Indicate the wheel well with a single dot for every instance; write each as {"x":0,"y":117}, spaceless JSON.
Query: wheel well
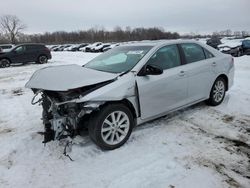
{"x":225,"y":78}
{"x":42,"y":55}
{"x":5,"y":58}
{"x":125,"y":102}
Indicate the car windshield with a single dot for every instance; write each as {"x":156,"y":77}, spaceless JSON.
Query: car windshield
{"x":119,"y":59}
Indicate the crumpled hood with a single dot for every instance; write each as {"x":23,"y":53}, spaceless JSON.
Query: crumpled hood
{"x":66,"y":77}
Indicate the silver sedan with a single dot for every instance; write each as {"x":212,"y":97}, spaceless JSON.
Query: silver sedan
{"x":127,"y":86}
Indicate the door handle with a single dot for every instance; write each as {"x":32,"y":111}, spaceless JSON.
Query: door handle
{"x":214,"y":64}
{"x":182,"y":73}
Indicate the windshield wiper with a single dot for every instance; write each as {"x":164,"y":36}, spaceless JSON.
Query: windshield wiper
{"x":124,"y":72}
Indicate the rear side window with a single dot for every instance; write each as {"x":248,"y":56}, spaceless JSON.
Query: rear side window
{"x":193,"y":52}
{"x":34,"y":47}
{"x":29,"y":47}
{"x":208,"y":54}
{"x":166,"y":57}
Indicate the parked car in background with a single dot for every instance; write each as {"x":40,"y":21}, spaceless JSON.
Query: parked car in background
{"x":91,"y":46}
{"x":4,"y":47}
{"x":65,"y":47}
{"x":127,"y":86}
{"x":52,"y":47}
{"x":25,"y":53}
{"x":246,"y":46}
{"x":110,"y":47}
{"x":214,"y":42}
{"x":232,"y":47}
{"x":68,"y":47}
{"x":100,"y":47}
{"x":60,"y":48}
{"x":78,"y":46}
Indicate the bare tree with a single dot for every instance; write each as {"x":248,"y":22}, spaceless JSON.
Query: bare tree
{"x":12,"y":27}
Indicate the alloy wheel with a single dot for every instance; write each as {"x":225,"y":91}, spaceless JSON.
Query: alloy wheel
{"x":115,"y":127}
{"x":43,"y":59}
{"x":219,"y":91}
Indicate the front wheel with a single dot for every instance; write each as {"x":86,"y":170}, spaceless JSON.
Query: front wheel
{"x":111,"y":127}
{"x":218,"y":92}
{"x":4,"y":63}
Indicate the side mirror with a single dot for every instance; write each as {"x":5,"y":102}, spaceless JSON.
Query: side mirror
{"x":150,"y":70}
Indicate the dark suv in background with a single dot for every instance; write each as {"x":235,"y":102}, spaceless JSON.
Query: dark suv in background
{"x":25,"y":53}
{"x":214,"y":42}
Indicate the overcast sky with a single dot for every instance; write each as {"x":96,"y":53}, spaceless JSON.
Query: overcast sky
{"x":174,"y":15}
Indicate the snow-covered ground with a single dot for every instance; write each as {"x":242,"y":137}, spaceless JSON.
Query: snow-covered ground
{"x":199,"y":146}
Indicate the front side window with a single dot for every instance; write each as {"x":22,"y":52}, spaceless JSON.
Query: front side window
{"x":20,"y":49}
{"x":193,"y":52}
{"x":119,"y":59}
{"x":166,"y":57}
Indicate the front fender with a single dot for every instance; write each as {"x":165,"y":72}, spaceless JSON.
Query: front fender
{"x":122,"y":88}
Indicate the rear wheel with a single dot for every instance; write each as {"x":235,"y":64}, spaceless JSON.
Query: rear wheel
{"x":218,"y":92}
{"x":111,"y":127}
{"x":4,"y":63}
{"x":42,"y":59}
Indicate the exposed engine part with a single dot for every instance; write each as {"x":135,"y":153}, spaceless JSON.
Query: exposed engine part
{"x":61,"y":118}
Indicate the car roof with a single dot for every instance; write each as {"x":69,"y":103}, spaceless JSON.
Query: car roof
{"x":155,"y":43}
{"x":34,"y":44}
{"x":6,"y":44}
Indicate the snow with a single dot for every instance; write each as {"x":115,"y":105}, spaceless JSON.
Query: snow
{"x":230,"y":43}
{"x":199,"y":146}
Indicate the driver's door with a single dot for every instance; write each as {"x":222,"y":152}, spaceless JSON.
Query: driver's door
{"x":167,"y":91}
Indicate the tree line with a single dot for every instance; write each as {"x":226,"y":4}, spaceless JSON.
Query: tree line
{"x":11,"y":31}
{"x":94,"y":35}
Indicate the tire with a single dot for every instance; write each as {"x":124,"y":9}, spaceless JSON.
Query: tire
{"x":42,"y":59}
{"x":4,"y":63}
{"x":217,"y":92}
{"x":111,"y":126}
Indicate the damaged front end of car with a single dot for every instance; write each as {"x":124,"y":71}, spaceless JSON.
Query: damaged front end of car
{"x":62,"y":115}
{"x":59,"y":90}
{"x":71,"y":94}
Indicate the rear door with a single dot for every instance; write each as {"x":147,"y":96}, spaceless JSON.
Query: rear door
{"x":161,"y":93}
{"x":19,"y":55}
{"x":199,"y":66}
{"x":33,"y":52}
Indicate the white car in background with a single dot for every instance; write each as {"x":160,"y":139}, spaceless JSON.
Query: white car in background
{"x":6,"y":47}
{"x":110,"y":47}
{"x":100,"y":47}
{"x":89,"y":47}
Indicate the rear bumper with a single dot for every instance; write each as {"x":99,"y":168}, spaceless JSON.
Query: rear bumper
{"x":231,"y":77}
{"x":49,"y":56}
